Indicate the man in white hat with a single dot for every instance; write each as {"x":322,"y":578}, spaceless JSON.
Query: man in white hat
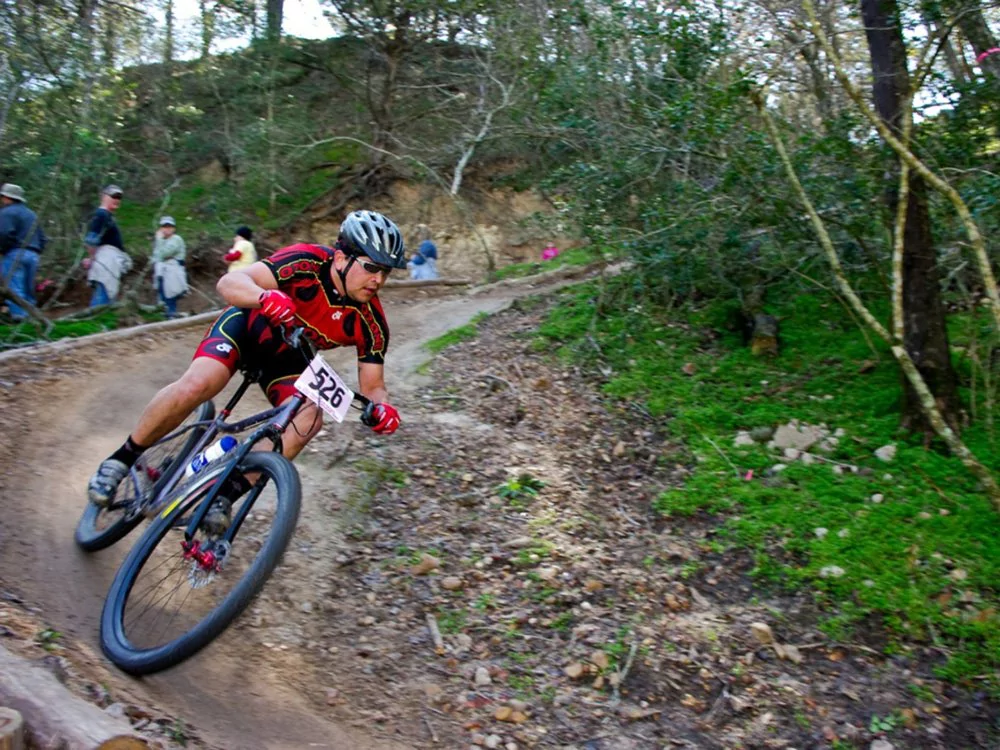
{"x":169,"y":276}
{"x":21,"y":242}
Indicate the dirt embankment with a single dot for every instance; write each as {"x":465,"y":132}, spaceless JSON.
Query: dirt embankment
{"x":491,"y":575}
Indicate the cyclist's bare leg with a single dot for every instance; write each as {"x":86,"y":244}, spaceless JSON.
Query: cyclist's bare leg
{"x":307,"y":423}
{"x":204,"y":379}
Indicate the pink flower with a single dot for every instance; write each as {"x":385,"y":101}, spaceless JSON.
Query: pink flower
{"x":550,"y":252}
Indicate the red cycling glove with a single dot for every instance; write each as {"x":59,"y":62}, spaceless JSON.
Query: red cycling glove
{"x":388,"y":419}
{"x":232,"y":255}
{"x":277,"y":306}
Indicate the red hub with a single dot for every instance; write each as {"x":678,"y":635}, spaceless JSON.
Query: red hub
{"x":206,"y":559}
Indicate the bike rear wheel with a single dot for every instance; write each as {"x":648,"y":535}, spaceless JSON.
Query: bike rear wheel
{"x":101,"y":526}
{"x":166,"y":603}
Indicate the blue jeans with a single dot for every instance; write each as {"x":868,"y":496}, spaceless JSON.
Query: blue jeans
{"x":100,"y":295}
{"x":19,"y":268}
{"x":170,"y":304}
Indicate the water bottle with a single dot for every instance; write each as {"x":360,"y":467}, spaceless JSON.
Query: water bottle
{"x":214,"y":451}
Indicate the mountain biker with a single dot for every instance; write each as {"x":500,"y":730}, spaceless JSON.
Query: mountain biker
{"x":331,"y":292}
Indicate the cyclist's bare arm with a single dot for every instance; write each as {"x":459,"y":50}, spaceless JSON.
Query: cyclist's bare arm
{"x":243,"y":287}
{"x":371,"y":381}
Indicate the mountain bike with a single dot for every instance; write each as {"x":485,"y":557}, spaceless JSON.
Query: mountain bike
{"x":182,"y":584}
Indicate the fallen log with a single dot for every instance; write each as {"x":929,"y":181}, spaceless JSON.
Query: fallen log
{"x":404,"y":283}
{"x":57,"y":719}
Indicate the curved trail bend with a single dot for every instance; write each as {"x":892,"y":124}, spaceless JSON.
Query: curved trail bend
{"x":63,"y":416}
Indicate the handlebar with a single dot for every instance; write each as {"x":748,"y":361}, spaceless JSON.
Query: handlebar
{"x":296,"y":338}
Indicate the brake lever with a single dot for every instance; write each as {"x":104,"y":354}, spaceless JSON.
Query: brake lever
{"x":368,"y":417}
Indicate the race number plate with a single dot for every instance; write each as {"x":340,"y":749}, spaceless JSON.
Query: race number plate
{"x":322,"y":385}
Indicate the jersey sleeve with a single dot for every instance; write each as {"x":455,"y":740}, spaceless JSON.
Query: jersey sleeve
{"x":296,"y":262}
{"x":372,"y":334}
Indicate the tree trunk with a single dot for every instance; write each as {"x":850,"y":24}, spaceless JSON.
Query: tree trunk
{"x":925,"y":334}
{"x":275,"y":13}
{"x":168,"y":39}
{"x":207,"y":27}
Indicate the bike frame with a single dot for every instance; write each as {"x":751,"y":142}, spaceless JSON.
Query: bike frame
{"x":273,"y":423}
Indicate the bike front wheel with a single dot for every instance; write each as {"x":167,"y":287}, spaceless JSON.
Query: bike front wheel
{"x":102,"y":526}
{"x":172,"y":596}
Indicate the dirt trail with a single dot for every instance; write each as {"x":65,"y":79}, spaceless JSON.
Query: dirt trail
{"x":74,"y":411}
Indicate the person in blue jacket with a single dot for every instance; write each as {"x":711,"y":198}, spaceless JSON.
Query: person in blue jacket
{"x":423,"y":264}
{"x":21,"y":242}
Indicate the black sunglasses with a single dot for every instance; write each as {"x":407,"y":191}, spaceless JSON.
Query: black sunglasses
{"x":374,"y":268}
{"x":116,"y":196}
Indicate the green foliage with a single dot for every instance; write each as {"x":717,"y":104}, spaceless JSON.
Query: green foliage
{"x":923,"y":561}
{"x":520,"y":490}
{"x":456,"y":335}
{"x":48,"y":639}
{"x":451,"y":621}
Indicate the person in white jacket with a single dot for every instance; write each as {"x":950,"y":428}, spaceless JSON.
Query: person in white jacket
{"x":169,"y":275}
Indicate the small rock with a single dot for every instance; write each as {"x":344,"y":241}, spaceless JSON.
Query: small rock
{"x":619,"y":450}
{"x":743,"y":438}
{"x":689,"y":368}
{"x":452,"y":583}
{"x":117,"y":710}
{"x":482,"y":677}
{"x":762,"y":632}
{"x":881,"y":745}
{"x":366,"y":622}
{"x":306,"y":607}
{"x":600,"y":660}
{"x":886,"y":453}
{"x":548,"y":573}
{"x":923,"y":515}
{"x":878,"y":497}
{"x":788,"y":652}
{"x":503,"y":713}
{"x":958,"y":575}
{"x":575,"y":670}
{"x":592,"y":584}
{"x":426,"y":565}
{"x":493,"y":741}
{"x":792,"y":454}
{"x":820,"y":532}
{"x":332,"y":696}
{"x":831,"y":571}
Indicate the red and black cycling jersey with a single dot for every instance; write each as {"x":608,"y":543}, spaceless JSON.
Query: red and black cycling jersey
{"x":304,"y":273}
{"x":244,"y":337}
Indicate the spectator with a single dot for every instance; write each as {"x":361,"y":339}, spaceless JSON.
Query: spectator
{"x":21,"y":242}
{"x":242,"y":253}
{"x":550,"y":252}
{"x":106,"y":261}
{"x":423,"y":265}
{"x":169,"y":276}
